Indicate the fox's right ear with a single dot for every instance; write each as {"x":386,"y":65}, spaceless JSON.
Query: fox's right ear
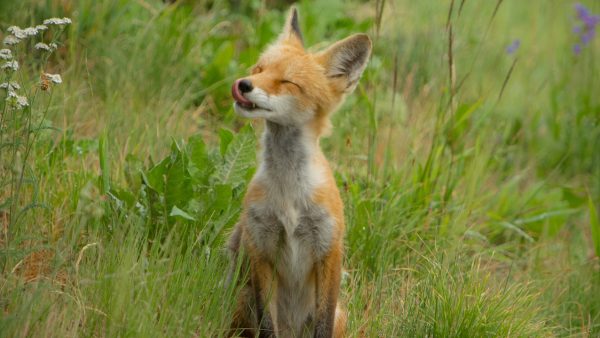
{"x":346,"y":60}
{"x":291,"y":29}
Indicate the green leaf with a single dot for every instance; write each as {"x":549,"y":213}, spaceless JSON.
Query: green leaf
{"x":199,"y":165}
{"x":178,"y":188}
{"x":155,"y":177}
{"x":125,"y":198}
{"x":225,"y":137}
{"x":238,"y":159}
{"x":222,"y":196}
{"x":595,"y":226}
{"x":176,"y":212}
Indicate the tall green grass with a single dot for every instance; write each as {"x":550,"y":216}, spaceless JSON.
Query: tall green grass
{"x":470,"y":176}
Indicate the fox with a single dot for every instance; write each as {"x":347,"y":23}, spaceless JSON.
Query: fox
{"x":291,"y":227}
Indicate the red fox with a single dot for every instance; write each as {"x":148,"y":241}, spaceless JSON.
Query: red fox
{"x":291,"y":230}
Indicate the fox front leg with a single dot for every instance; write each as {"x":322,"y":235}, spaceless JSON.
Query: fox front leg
{"x":261,"y":279}
{"x":328,"y":286}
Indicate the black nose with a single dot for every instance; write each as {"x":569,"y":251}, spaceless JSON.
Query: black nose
{"x":245,"y":86}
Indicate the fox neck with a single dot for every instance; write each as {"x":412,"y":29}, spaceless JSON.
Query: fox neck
{"x":288,"y":159}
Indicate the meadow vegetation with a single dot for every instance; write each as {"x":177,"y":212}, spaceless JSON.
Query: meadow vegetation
{"x":468,"y":159}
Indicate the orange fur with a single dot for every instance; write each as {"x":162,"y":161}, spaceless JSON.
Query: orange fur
{"x":295,"y":91}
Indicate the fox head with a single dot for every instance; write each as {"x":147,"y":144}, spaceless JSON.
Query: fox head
{"x":291,"y":86}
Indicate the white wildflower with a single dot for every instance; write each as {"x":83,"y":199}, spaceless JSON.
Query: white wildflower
{"x":42,"y":46}
{"x":17,"y":32}
{"x":55,"y":78}
{"x":30,"y":31}
{"x":16,"y":100}
{"x":5,"y":54}
{"x":53,"y":45}
{"x":22,"y":101}
{"x":11,"y":65}
{"x":11,"y":40}
{"x":22,"y":33}
{"x":41,"y":28}
{"x":57,"y":21}
{"x":10,"y":86}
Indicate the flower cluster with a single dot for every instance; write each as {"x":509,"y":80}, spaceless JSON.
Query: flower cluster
{"x":10,"y":65}
{"x":18,"y":34}
{"x":16,"y":100}
{"x":10,"y":86}
{"x":54,"y":78}
{"x":585,"y":28}
{"x":46,"y":47}
{"x":57,"y":21}
{"x":5,"y":54}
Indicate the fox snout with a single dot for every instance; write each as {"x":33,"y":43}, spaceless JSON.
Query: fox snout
{"x":239,"y":88}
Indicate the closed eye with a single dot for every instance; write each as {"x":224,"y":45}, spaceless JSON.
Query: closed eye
{"x":293,"y":83}
{"x":256,"y":70}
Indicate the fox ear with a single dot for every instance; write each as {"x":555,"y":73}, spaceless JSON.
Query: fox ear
{"x":347,"y":59}
{"x":291,"y":29}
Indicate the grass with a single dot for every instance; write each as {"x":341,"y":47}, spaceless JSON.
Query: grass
{"x":471,"y":177}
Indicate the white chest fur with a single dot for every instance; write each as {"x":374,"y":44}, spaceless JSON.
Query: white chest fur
{"x":287,"y":227}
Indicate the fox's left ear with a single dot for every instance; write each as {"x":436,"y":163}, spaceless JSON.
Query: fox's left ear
{"x":291,"y":29}
{"x":346,"y":60}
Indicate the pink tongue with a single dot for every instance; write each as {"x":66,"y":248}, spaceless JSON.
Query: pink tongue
{"x":237,"y":95}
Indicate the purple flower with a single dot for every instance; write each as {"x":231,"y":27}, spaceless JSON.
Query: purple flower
{"x":591,"y":21}
{"x":582,"y":11}
{"x":586,"y":28}
{"x":513,"y":47}
{"x":588,"y":36}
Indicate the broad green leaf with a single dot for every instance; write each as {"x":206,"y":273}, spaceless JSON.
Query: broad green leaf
{"x":125,"y":197}
{"x":238,"y":159}
{"x":199,"y":164}
{"x":176,"y":212}
{"x":155,"y":177}
{"x":222,"y":196}
{"x":178,"y":188}
{"x":225,"y":138}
